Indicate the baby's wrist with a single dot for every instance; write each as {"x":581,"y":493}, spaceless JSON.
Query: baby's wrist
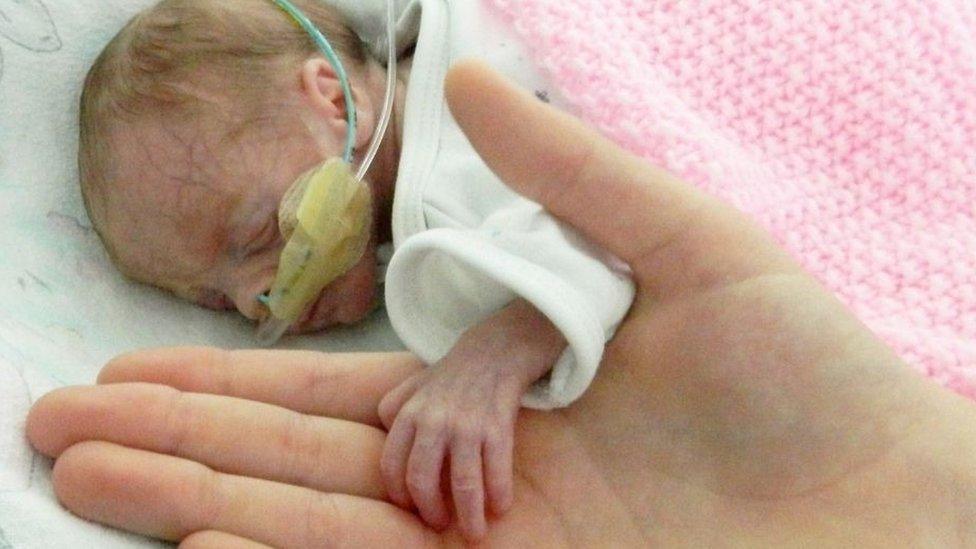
{"x":530,"y":371}
{"x":523,"y":342}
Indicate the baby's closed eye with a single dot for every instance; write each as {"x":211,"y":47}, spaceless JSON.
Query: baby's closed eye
{"x":262,"y":239}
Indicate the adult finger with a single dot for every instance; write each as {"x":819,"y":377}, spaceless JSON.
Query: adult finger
{"x":172,"y":498}
{"x":642,"y":214}
{"x":554,"y":159}
{"x":227,"y":434}
{"x":219,"y":540}
{"x":344,"y":385}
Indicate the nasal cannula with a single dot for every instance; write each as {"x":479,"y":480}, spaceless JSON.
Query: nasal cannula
{"x":329,"y":208}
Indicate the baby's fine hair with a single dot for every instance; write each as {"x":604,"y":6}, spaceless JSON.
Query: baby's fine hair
{"x":177,"y":56}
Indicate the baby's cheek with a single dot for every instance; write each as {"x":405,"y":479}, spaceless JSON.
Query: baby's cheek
{"x":214,"y":300}
{"x":355,"y":293}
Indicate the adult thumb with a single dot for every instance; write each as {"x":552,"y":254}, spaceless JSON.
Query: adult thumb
{"x":611,"y":196}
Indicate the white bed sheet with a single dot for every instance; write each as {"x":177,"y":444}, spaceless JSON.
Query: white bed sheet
{"x":65,"y":310}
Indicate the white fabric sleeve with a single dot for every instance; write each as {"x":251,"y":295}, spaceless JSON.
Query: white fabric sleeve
{"x":441,"y":282}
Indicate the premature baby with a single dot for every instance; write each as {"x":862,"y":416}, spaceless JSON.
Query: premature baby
{"x":200,"y":115}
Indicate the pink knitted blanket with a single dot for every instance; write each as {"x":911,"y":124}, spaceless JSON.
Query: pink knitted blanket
{"x":848,"y":129}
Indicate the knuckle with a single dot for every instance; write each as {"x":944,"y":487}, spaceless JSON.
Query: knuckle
{"x":322,"y":384}
{"x":578,"y":167}
{"x":466,"y":484}
{"x":499,"y":434}
{"x":289,"y":436}
{"x":300,"y":448}
{"x":425,"y":447}
{"x":420,"y":481}
{"x":409,"y":414}
{"x":324,"y":521}
{"x":431,"y":420}
{"x":469,"y":431}
{"x":220,"y":367}
{"x":507,"y":406}
{"x":207,"y":486}
{"x":493,"y":439}
{"x":180,"y":422}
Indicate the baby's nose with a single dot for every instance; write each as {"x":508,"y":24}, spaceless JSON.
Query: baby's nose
{"x":248,"y":302}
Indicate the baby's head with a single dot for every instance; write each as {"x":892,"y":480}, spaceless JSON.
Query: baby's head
{"x":195,"y":120}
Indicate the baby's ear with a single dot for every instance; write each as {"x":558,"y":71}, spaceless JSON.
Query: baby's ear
{"x":323,"y":91}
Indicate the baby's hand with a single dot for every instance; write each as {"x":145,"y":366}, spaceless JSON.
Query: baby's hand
{"x":457,"y":413}
{"x":461,"y":412}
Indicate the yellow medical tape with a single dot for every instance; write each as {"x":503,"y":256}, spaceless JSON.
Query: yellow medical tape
{"x":326,"y":218}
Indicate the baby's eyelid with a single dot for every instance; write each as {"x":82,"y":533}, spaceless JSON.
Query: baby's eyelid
{"x":263,"y":239}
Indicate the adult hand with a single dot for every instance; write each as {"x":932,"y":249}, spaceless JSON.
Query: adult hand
{"x":739,"y":404}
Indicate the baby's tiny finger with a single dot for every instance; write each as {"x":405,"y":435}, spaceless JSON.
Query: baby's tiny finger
{"x":393,"y":401}
{"x":499,"y":472}
{"x":393,"y":464}
{"x":424,"y":475}
{"x":468,"y":488}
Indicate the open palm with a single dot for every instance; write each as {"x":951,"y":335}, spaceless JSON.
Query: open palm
{"x":739,"y":404}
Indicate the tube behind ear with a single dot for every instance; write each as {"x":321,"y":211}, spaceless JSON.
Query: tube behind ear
{"x":326,"y":48}
{"x":326,"y":215}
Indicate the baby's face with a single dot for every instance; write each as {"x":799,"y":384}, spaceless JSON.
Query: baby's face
{"x":198,"y":214}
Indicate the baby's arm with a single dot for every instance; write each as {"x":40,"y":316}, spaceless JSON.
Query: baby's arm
{"x":462,"y":411}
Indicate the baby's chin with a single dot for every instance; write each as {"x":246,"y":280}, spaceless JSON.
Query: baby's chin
{"x":325,"y":314}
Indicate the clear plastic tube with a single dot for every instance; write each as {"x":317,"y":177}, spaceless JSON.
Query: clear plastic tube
{"x":326,"y":48}
{"x":271,"y":329}
{"x":391,"y":79}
